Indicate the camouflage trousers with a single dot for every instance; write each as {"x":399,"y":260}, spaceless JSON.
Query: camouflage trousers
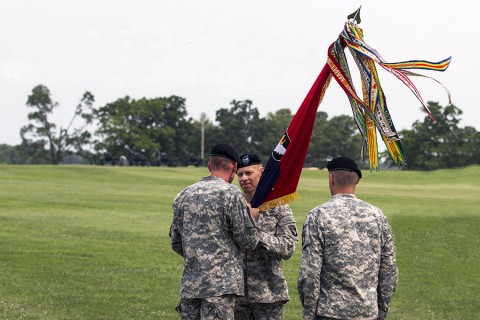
{"x":327,"y":318}
{"x":214,"y":308}
{"x":259,"y":311}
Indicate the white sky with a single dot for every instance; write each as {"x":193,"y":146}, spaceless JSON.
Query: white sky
{"x":211,"y":52}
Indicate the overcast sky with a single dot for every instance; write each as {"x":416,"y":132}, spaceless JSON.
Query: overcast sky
{"x":212,"y":52}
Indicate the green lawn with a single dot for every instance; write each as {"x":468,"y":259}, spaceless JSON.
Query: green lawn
{"x":86,"y":242}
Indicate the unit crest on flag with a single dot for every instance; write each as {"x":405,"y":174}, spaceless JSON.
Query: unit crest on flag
{"x":281,"y":147}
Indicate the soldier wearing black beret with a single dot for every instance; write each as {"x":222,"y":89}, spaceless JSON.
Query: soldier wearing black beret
{"x":211,"y":226}
{"x":248,"y":159}
{"x":266,"y":289}
{"x":345,"y":164}
{"x":351,"y":241}
{"x":225,"y":151}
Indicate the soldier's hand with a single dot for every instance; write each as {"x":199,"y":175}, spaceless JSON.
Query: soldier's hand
{"x":254,"y":212}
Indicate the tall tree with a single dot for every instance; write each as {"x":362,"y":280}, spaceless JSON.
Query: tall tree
{"x":443,"y":144}
{"x":40,"y":139}
{"x":241,"y":125}
{"x":276,"y":124}
{"x":147,"y":126}
{"x":331,"y":138}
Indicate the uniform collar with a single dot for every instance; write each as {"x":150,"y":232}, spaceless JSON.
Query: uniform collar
{"x":209,"y":178}
{"x":344,"y":195}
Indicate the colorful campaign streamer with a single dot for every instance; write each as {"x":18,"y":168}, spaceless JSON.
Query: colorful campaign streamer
{"x":371,"y":110}
{"x":280,"y":179}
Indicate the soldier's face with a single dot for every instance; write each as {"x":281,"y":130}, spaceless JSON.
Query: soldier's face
{"x":248,"y":177}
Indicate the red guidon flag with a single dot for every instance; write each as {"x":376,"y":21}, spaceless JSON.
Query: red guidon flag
{"x":278,"y":183}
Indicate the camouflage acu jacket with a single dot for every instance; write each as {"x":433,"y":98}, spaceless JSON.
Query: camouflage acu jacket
{"x":348,"y":268}
{"x":265,"y":282}
{"x":211,"y":225}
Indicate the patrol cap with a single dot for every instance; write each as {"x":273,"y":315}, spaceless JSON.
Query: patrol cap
{"x":248,"y":159}
{"x":226,"y":151}
{"x":343,"y":163}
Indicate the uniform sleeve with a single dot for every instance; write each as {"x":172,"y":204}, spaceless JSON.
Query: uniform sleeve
{"x":308,"y":285}
{"x":285,"y":239}
{"x":244,"y":231}
{"x":176,"y":227}
{"x":388,"y":274}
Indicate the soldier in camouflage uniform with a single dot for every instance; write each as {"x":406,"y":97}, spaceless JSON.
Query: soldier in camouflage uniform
{"x":211,"y":225}
{"x":348,"y":268}
{"x":266,"y":289}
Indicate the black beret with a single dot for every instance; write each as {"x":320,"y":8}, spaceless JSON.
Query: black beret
{"x":226,"y":151}
{"x":343,"y":163}
{"x":248,"y":159}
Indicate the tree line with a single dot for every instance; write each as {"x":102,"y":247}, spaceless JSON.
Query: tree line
{"x":158,"y":131}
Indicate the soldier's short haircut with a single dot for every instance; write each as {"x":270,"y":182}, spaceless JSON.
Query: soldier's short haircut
{"x":220,"y":163}
{"x":345,"y":178}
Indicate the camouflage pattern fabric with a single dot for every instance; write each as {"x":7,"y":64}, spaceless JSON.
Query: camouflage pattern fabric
{"x":260,"y":311}
{"x":215,"y":308}
{"x":278,"y":236}
{"x":348,"y":268}
{"x":211,"y":225}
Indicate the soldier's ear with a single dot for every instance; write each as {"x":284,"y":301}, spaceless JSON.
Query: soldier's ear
{"x":331,"y":178}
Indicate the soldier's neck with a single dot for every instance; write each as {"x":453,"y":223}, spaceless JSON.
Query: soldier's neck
{"x":248,"y":196}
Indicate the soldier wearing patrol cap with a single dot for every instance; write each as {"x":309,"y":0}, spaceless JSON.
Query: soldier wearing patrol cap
{"x":348,"y":268}
{"x":266,"y":289}
{"x":211,"y":225}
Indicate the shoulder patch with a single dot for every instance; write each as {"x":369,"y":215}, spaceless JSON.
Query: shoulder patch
{"x":293,"y":231}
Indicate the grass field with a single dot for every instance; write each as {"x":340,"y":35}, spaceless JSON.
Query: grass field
{"x":87,"y":242}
